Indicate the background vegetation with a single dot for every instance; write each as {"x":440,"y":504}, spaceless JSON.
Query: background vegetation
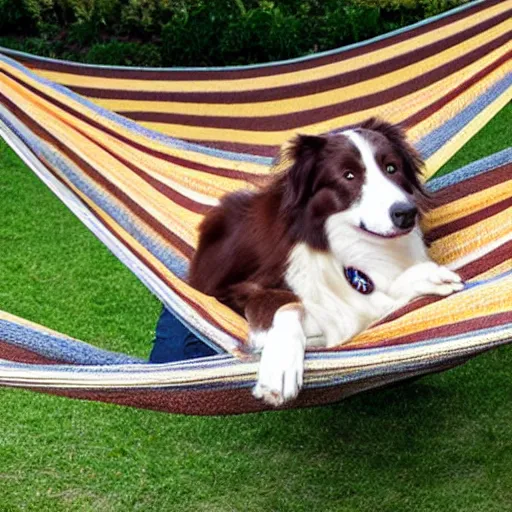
{"x":199,"y":32}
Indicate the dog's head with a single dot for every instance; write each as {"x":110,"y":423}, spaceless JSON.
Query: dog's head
{"x":366,"y":179}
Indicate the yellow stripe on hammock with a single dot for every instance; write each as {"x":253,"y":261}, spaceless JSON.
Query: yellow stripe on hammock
{"x":468,"y":240}
{"x":277,"y":107}
{"x":183,"y":221}
{"x":501,"y":268}
{"x":149,"y":143}
{"x":477,"y":302}
{"x":467,"y":205}
{"x":395,"y":111}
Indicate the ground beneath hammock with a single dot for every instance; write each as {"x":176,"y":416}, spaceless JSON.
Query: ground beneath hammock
{"x":441,"y":443}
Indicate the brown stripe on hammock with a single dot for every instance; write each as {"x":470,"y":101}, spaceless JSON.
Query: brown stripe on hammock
{"x":475,"y":184}
{"x":238,"y":400}
{"x":18,"y":354}
{"x":237,"y":147}
{"x":179,"y":161}
{"x":313,"y":116}
{"x":451,"y":329}
{"x":88,"y":170}
{"x":270,"y":70}
{"x":487,"y":262}
{"x":300,"y":89}
{"x":468,"y":220}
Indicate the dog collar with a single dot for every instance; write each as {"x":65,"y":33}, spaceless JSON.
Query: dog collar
{"x":359,"y":280}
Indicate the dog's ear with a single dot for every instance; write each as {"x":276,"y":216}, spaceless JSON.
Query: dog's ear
{"x":413,"y":163}
{"x":304,"y":153}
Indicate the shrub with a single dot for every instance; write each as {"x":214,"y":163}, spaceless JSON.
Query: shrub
{"x":201,"y":32}
{"x":146,"y":17}
{"x":124,"y":53}
{"x":191,"y":37}
{"x":15,"y":17}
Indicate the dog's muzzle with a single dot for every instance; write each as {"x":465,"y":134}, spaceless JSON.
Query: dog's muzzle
{"x":403,"y":215}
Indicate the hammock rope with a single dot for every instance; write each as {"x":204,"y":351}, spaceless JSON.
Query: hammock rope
{"x":139,"y":155}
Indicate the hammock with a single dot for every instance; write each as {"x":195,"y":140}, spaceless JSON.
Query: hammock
{"x":139,"y":155}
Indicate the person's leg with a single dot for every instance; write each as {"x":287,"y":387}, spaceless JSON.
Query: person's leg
{"x":174,"y":342}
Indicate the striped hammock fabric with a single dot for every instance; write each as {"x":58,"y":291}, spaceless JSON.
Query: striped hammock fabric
{"x":139,"y":155}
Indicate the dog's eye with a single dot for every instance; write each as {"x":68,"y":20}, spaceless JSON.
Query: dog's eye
{"x":349,"y":175}
{"x":390,"y":168}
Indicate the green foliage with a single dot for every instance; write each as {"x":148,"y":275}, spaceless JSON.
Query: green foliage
{"x":86,"y":11}
{"x":37,"y":9}
{"x":429,"y":7}
{"x":34,"y":45}
{"x":131,"y":54}
{"x":14,"y":16}
{"x":146,"y":17}
{"x":202,"y":32}
{"x":433,"y":7}
{"x":194,"y":35}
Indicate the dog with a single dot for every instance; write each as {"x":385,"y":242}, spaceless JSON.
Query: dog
{"x":326,"y":248}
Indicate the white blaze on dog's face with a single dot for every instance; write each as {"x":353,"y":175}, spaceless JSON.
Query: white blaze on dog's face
{"x":385,"y":206}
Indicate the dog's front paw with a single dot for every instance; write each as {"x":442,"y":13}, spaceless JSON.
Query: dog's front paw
{"x":282,"y":360}
{"x":432,"y":279}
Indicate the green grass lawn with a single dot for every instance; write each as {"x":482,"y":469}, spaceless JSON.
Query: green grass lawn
{"x":443,"y":443}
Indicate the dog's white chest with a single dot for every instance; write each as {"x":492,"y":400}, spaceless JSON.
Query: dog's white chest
{"x":333,"y":307}
{"x":328,"y":298}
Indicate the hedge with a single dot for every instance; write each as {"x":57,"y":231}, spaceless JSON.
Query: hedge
{"x":199,"y":32}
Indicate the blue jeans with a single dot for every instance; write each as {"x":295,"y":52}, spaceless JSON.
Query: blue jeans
{"x":174,"y":342}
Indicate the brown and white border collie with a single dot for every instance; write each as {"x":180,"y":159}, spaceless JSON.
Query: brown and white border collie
{"x":329,"y":246}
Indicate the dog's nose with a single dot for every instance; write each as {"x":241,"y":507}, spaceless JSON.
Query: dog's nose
{"x":403,"y":215}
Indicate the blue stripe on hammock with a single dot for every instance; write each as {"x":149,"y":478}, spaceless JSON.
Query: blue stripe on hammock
{"x":474,"y":284}
{"x":438,"y":138}
{"x":58,"y":347}
{"x":357,"y":353}
{"x":488,"y":163}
